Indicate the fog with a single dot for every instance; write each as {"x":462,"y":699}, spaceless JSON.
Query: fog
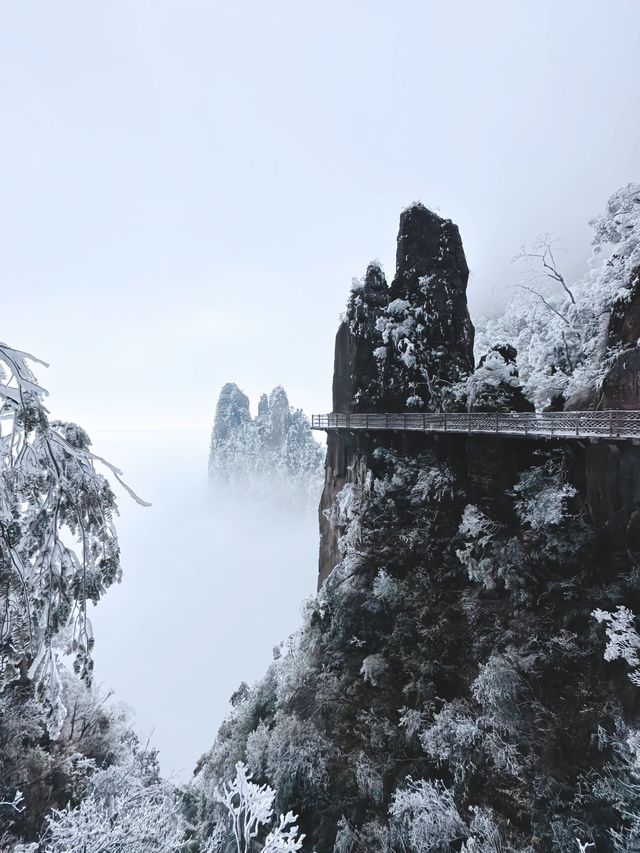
{"x":209,"y":588}
{"x":187,"y":190}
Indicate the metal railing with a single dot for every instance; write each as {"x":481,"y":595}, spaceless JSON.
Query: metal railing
{"x":615,"y":424}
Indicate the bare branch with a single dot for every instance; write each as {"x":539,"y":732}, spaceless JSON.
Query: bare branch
{"x":544,"y":301}
{"x":545,"y":264}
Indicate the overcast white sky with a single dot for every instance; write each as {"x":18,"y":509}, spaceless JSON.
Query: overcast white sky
{"x":188,"y":187}
{"x":186,"y":190}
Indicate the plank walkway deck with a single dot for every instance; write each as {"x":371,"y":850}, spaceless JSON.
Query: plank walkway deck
{"x":612,"y":424}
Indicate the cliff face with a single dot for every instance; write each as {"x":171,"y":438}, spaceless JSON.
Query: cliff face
{"x":448,"y":690}
{"x":621,"y":386}
{"x":398,"y":348}
{"x":543,"y":532}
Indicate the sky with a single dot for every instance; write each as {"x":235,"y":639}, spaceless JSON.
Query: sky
{"x":188,"y":187}
{"x":187,"y":190}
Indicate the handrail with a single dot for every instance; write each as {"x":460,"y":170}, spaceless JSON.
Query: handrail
{"x":612,"y":423}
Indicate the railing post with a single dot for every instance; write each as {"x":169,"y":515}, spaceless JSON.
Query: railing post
{"x":424,"y":422}
{"x":445,"y":421}
{"x":386,"y":420}
{"x":366,"y":421}
{"x":578,"y":423}
{"x":348,"y":420}
{"x":610,"y":423}
{"x":469,"y":422}
{"x":497,"y":424}
{"x":405,"y":421}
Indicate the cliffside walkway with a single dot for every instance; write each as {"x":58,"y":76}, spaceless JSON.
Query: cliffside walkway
{"x":617,"y":425}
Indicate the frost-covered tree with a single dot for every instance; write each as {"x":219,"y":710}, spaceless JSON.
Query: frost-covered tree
{"x":125,"y":807}
{"x":58,"y":553}
{"x":623,"y":641}
{"x":249,"y":815}
{"x":560,"y":329}
{"x":58,"y":546}
{"x":272,"y":457}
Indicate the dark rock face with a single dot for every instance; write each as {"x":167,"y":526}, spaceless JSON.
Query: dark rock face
{"x":400,"y":347}
{"x":432,"y":275}
{"x":621,"y":385}
{"x":613,"y":491}
{"x":404,"y":346}
{"x":356,"y":374}
{"x":624,"y":325}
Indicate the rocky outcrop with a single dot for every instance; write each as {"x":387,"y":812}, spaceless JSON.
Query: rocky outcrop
{"x":271,"y":458}
{"x":621,"y":385}
{"x":399,"y":347}
{"x":404,"y":348}
{"x":428,"y":332}
{"x":232,"y":412}
{"x":451,"y":665}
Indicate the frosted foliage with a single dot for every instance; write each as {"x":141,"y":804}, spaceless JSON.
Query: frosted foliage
{"x":489,"y":381}
{"x":411,"y":720}
{"x":561,"y":337}
{"x":122,"y":810}
{"x":385,"y":588}
{"x":59,"y":549}
{"x":541,"y":497}
{"x":272,"y":457}
{"x":345,"y":516}
{"x":372,"y":668}
{"x":424,"y":818}
{"x":398,"y":327}
{"x":257,"y":747}
{"x":485,"y":836}
{"x":450,"y":739}
{"x":477,"y":530}
{"x":621,"y":787}
{"x":249,"y":810}
{"x":498,"y":685}
{"x":433,"y":485}
{"x":369,"y":780}
{"x":297,"y":756}
{"x":623,"y":640}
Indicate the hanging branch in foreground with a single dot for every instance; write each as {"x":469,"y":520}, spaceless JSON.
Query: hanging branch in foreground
{"x":58,"y":546}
